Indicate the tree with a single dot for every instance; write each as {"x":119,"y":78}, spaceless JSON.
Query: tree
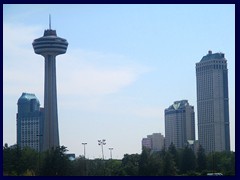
{"x":96,"y":167}
{"x":155,"y":164}
{"x":144,"y":162}
{"x":173,"y":151}
{"x":188,"y":160}
{"x":56,"y":162}
{"x":169,"y":167}
{"x":12,"y":164}
{"x":113,"y":167}
{"x":201,"y":159}
{"x":79,"y":166}
{"x":223,"y":162}
{"x":130,"y":164}
{"x":29,"y":160}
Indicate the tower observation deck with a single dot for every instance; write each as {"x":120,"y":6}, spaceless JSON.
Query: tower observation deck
{"x":49,"y":46}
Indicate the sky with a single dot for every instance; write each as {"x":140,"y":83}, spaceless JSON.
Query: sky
{"x":124,"y":65}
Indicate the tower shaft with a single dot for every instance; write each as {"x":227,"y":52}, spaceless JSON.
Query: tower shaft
{"x":51,"y":134}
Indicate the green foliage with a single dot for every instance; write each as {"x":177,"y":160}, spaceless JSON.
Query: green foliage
{"x":223,"y":162}
{"x":79,"y":166}
{"x":144,"y":168}
{"x":201,"y":159}
{"x":169,"y":168}
{"x":29,"y":173}
{"x":130,"y":164}
{"x":113,"y":168}
{"x":96,"y":167}
{"x":171,"y":162}
{"x":18,"y":161}
{"x":188,"y":160}
{"x":57,"y":161}
{"x":173,"y":151}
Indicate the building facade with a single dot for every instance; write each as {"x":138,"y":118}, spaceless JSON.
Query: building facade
{"x":155,"y":142}
{"x":147,"y":143}
{"x":179,"y":124}
{"x":213,"y":102}
{"x":30,"y":119}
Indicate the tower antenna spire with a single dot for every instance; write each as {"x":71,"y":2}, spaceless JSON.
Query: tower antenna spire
{"x":49,"y":21}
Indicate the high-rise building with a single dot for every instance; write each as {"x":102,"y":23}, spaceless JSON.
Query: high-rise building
{"x":179,"y":124}
{"x":212,"y":102}
{"x":49,"y":46}
{"x":30,"y":118}
{"x":155,"y":142}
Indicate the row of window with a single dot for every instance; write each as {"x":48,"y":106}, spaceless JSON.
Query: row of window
{"x":211,"y":62}
{"x":211,"y":67}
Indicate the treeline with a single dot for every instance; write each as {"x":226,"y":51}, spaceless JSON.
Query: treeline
{"x":171,"y":162}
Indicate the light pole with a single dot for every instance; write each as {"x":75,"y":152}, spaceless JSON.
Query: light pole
{"x":84,"y":149}
{"x":85,"y":165}
{"x":39,"y":145}
{"x":101,"y":143}
{"x":110,"y":152}
{"x":110,"y":149}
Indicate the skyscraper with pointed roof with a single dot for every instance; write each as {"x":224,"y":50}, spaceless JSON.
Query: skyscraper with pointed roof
{"x":213,"y":102}
{"x":179,"y":124}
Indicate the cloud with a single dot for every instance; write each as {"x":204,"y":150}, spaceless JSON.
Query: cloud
{"x":21,"y":69}
{"x":82,"y":72}
{"x":89,"y":78}
{"x":91,"y":81}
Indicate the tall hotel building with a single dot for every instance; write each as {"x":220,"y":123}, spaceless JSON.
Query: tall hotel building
{"x":30,"y":119}
{"x":212,"y":102}
{"x":179,"y":124}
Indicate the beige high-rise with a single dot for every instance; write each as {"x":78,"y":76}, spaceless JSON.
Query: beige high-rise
{"x":212,"y":102}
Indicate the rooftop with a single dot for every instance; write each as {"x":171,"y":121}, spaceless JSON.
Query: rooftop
{"x":27,"y":97}
{"x":178,"y":105}
{"x":211,"y":56}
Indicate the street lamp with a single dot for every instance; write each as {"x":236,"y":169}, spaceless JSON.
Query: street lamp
{"x":84,"y":149}
{"x":85,"y":165}
{"x":110,"y":152}
{"x":101,"y":143}
{"x":39,"y":145}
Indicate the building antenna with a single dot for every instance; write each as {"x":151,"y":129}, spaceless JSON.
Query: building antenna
{"x":49,"y":21}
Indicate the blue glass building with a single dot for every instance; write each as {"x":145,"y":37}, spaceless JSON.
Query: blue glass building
{"x":30,"y":119}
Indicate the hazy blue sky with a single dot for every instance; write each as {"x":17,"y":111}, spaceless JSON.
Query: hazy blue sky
{"x":124,"y":65}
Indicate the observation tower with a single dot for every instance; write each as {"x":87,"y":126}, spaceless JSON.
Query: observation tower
{"x":49,"y":46}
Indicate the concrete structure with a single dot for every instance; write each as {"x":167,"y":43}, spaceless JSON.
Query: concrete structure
{"x":179,"y":124}
{"x":49,"y":46}
{"x":147,"y":143}
{"x":155,"y":142}
{"x":212,"y":102}
{"x":30,"y":118}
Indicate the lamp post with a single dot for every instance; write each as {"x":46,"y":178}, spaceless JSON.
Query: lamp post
{"x":110,"y":149}
{"x":84,"y":149}
{"x":39,"y":145}
{"x":101,"y":143}
{"x":110,"y":152}
{"x":85,"y":165}
{"x":213,"y":161}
